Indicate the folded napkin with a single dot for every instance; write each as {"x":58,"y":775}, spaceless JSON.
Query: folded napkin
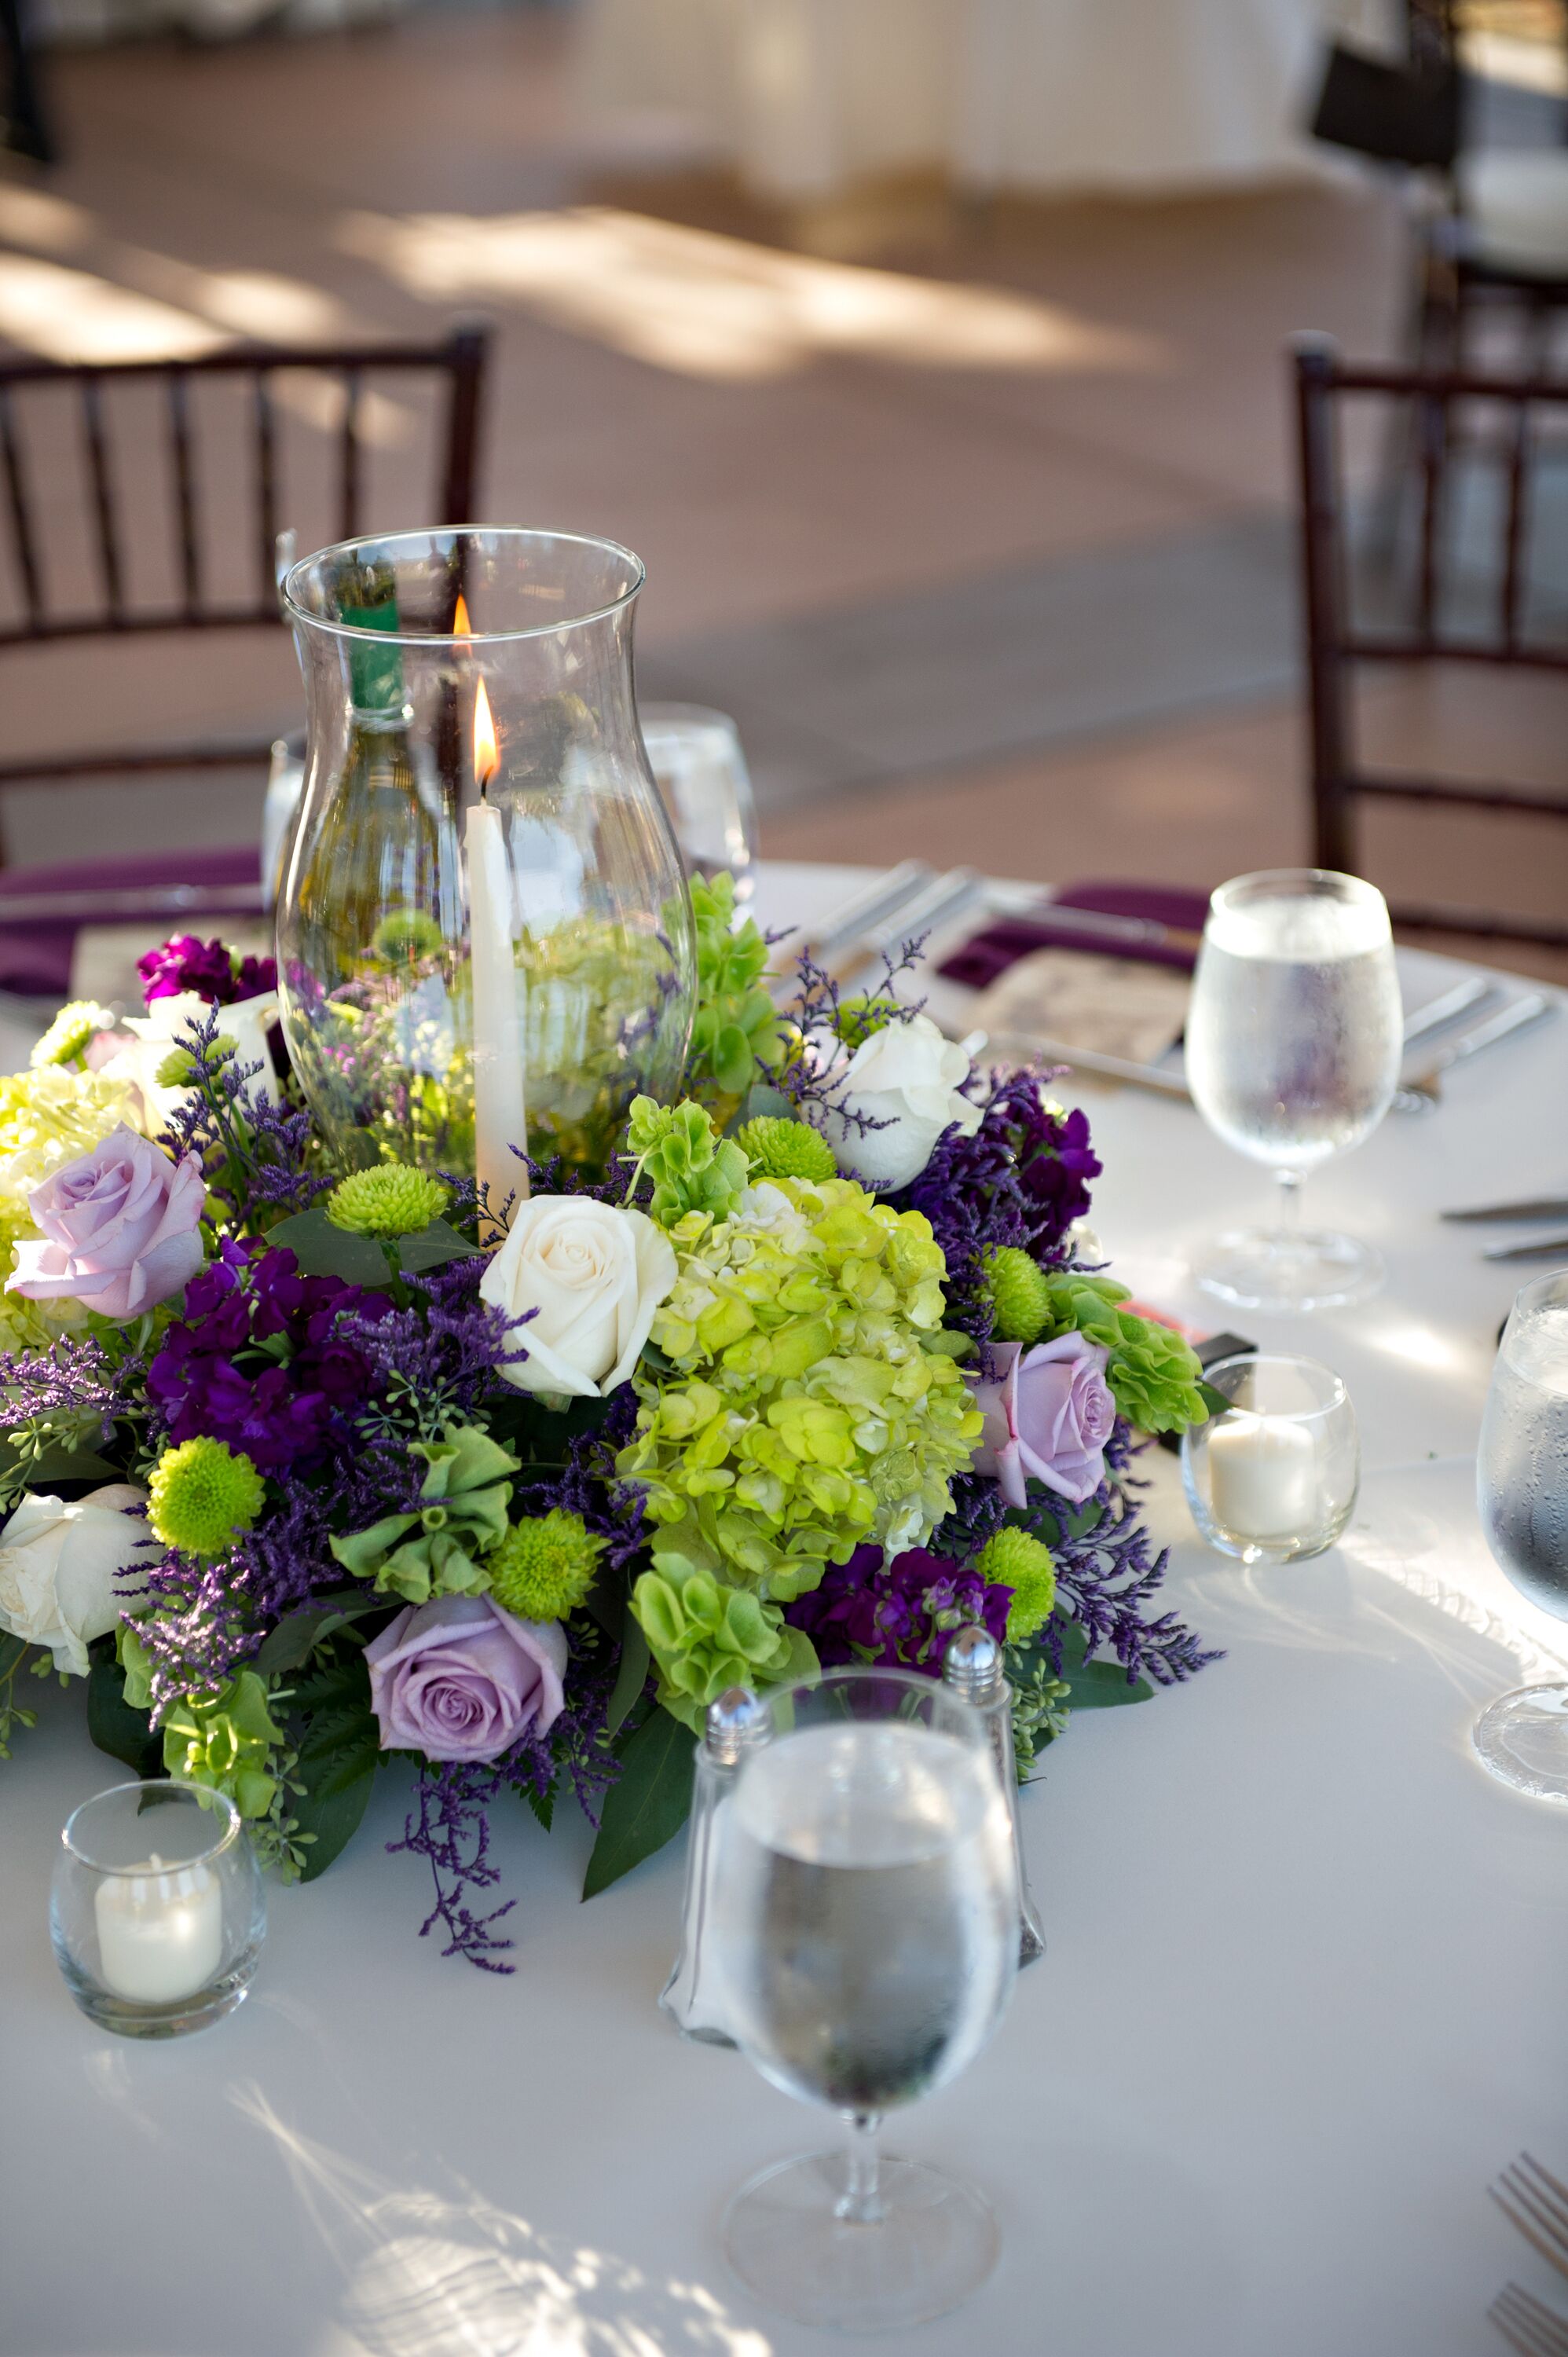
{"x":35,"y":958}
{"x":1113,"y":1006}
{"x":992,"y":950}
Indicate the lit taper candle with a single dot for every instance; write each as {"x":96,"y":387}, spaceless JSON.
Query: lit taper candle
{"x":501,"y":1119}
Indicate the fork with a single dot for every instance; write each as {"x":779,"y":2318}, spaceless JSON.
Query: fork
{"x":1526,"y":2325}
{"x":1530,"y":2198}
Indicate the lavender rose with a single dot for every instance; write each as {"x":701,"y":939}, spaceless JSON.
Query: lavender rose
{"x":119,"y":1228}
{"x":460,"y":1679}
{"x":1048,"y":1418}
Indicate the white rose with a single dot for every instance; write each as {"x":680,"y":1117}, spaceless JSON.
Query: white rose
{"x":905,"y":1076}
{"x":58,"y":1567}
{"x":165,"y":1027}
{"x":596,"y":1275}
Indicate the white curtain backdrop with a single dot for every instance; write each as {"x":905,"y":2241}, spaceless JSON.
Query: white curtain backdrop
{"x":808,"y":96}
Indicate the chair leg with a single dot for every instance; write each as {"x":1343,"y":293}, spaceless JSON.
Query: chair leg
{"x":23,"y":128}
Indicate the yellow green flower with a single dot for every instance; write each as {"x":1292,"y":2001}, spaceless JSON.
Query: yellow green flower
{"x":201,"y":1495}
{"x":1017,"y":1559}
{"x":705,"y":1636}
{"x":1019,"y":1293}
{"x":70,"y":1032}
{"x":779,"y":1148}
{"x":391,"y":1201}
{"x":544,"y":1567}
{"x":50,"y":1116}
{"x":225,"y":1740}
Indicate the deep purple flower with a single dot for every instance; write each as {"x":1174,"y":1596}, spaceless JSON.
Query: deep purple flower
{"x":259,"y":1360}
{"x":212,"y":972}
{"x":1056,"y":1165}
{"x":900,"y":1614}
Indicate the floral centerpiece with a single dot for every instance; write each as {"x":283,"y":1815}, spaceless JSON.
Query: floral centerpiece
{"x":309,"y":1475}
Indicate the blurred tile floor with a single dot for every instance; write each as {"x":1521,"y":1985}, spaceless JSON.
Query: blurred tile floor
{"x":978,"y":520}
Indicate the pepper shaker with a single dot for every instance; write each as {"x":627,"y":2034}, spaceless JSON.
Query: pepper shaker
{"x":974,"y":1667}
{"x":736,"y":1723}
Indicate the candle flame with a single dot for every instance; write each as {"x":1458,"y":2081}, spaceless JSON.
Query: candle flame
{"x":461,"y":626}
{"x":486,"y":756}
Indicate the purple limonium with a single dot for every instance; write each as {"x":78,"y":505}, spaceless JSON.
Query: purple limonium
{"x":259,"y":1360}
{"x":900,"y":1614}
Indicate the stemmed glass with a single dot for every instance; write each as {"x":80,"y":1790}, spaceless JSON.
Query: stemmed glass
{"x":1522,"y":1486}
{"x":1293,"y":1054}
{"x":695,"y":755}
{"x":865,"y":1933}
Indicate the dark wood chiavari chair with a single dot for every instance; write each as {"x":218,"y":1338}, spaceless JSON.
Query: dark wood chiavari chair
{"x":1337,"y":646}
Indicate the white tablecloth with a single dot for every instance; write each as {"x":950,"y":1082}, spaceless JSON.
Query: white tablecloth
{"x":806,"y":96}
{"x":1302,"y":1994}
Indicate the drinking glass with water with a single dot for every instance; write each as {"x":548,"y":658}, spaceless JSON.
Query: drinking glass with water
{"x":1522,"y":1486}
{"x":1293,"y":1054}
{"x":866,"y":1932}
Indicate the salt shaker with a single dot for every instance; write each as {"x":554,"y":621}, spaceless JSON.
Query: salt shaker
{"x":973,"y":1667}
{"x":736,"y":1723}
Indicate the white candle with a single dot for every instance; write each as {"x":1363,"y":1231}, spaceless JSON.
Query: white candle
{"x":1263,"y":1477}
{"x":160,"y":1932}
{"x":500,"y":990}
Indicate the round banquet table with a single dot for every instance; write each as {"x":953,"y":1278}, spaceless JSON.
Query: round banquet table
{"x":806,"y":97}
{"x":1302,"y":1994}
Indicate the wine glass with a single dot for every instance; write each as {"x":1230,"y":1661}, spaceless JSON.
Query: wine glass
{"x":1294,"y":1039}
{"x":865,"y":1935}
{"x":1521,"y":1489}
{"x":696,"y":757}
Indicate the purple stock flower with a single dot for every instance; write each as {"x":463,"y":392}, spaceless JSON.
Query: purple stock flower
{"x":259,"y":1360}
{"x":183,"y":962}
{"x":900,"y":1614}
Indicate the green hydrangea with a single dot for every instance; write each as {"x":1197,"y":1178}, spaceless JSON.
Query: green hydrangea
{"x":201,"y":1495}
{"x":70,"y":1032}
{"x":779,"y":1148}
{"x":1019,"y":1295}
{"x":705,"y":1637}
{"x":1155,"y":1376}
{"x":1017,"y":1559}
{"x":407,"y":936}
{"x":810,"y":1404}
{"x":440,"y":1548}
{"x":735,"y":1027}
{"x":544,"y":1566}
{"x":692,"y":1167}
{"x":391,"y":1201}
{"x":225,"y":1742}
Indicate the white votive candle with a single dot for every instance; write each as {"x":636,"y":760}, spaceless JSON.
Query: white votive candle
{"x":1263,"y":1477}
{"x":499,"y":1114}
{"x":160,"y":1932}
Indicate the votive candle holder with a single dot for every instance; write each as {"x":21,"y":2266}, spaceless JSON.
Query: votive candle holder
{"x":1274,"y":1477}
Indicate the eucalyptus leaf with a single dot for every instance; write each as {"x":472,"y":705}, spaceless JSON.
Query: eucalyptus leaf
{"x":54,"y":1464}
{"x":1100,"y":1686}
{"x":648,"y":1804}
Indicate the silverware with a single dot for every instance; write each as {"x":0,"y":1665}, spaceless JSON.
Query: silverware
{"x":1090,"y":1060}
{"x":1542,"y":1248}
{"x":943,"y":900}
{"x":1533,"y":1207}
{"x":1421,"y":1087}
{"x":870,"y":906}
{"x":1140,"y":932}
{"x":1528,"y":2325}
{"x":1439,"y":1012}
{"x":1530,"y":2198}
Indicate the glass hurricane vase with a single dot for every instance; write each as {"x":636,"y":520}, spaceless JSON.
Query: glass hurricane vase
{"x":484,"y":935}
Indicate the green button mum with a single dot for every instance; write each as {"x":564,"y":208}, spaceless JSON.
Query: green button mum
{"x":1017,"y":1559}
{"x":777,"y":1148}
{"x":389,"y":1202}
{"x":201,"y":1495}
{"x":544,"y":1567}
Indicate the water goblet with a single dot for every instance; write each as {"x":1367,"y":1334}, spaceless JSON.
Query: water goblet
{"x":1292,"y":1053}
{"x":865,"y":1933}
{"x":1521,"y":1489}
{"x":695,"y":755}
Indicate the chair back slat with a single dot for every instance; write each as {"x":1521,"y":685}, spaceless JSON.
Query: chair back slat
{"x":459,"y":361}
{"x":188,"y":544}
{"x":353,"y":389}
{"x":1336,"y":644}
{"x":103,"y":500}
{"x":20,"y":511}
{"x":266,"y":487}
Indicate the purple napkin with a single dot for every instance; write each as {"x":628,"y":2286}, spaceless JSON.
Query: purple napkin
{"x":35,"y":959}
{"x":992,"y":952}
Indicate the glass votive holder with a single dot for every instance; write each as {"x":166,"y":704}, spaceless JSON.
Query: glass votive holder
{"x":1275,"y":1476}
{"x":157,"y":1912}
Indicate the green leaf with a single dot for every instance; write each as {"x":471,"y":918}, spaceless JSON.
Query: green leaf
{"x":1214,"y":1400}
{"x":542,"y":1804}
{"x":331,"y":1814}
{"x":55,"y":1463}
{"x":125,"y":1733}
{"x":632,"y":1675}
{"x":290,"y":1645}
{"x":648,"y":1804}
{"x":323,"y":1249}
{"x":1099,"y":1686}
{"x":762,"y":1098}
{"x":433,"y":1247}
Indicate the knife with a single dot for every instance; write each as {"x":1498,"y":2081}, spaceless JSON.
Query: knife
{"x":1090,"y":1060}
{"x":1529,"y":1007}
{"x":1544,"y":1248}
{"x":1537,"y":1207}
{"x":1439,"y":1012}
